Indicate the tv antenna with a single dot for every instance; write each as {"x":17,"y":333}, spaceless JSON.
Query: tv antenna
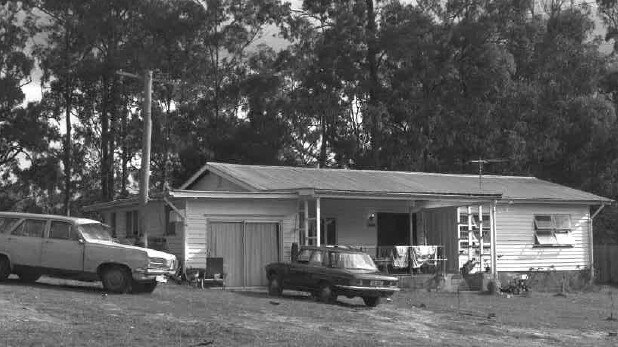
{"x":482,"y":162}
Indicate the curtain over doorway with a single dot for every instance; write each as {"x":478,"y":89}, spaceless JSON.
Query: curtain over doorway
{"x":246,"y":247}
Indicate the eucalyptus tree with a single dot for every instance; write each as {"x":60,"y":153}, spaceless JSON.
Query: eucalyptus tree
{"x":15,"y":69}
{"x":59,"y":50}
{"x":212,"y":106}
{"x":25,"y":132}
{"x":334,"y":59}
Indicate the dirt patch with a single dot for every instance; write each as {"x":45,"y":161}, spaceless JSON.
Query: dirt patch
{"x":56,"y":313}
{"x":13,"y":314}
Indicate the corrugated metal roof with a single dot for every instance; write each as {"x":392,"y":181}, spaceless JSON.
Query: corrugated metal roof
{"x":285,"y":178}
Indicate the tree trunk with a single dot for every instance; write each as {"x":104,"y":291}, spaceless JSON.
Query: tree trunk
{"x":322,"y":158}
{"x":67,"y":143}
{"x":113,"y":119}
{"x":105,"y":141}
{"x":67,"y":148}
{"x":373,"y":102}
{"x":125,"y":151}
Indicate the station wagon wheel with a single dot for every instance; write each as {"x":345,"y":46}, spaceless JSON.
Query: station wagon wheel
{"x":117,"y":279}
{"x":5,"y":268}
{"x":274,"y":286}
{"x":371,"y":301}
{"x":326,"y":293}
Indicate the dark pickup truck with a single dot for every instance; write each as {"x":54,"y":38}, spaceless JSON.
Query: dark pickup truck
{"x":327,"y":272}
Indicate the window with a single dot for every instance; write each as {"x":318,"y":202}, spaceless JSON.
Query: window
{"x":553,"y":230}
{"x":30,"y":228}
{"x":359,"y":261}
{"x":61,"y":231}
{"x":112,"y":223}
{"x":6,"y":223}
{"x":95,"y":231}
{"x":132,"y":223}
{"x":172,"y":221}
{"x":316,"y":258}
{"x":303,"y":256}
{"x":328,"y":231}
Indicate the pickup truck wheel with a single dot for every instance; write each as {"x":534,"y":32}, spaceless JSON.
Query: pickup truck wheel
{"x":29,"y":276}
{"x":371,"y":301}
{"x":326,"y":293}
{"x":144,"y":287}
{"x":274,"y":286}
{"x":117,"y":280}
{"x":5,"y":268}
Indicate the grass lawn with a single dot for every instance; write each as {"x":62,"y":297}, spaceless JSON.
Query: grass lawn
{"x":54,"y":312}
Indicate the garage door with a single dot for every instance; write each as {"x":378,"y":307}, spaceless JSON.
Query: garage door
{"x":246,"y":247}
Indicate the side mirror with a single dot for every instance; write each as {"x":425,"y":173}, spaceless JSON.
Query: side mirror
{"x":81,"y":241}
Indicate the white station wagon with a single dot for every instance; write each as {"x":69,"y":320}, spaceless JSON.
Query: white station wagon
{"x":32,"y":245}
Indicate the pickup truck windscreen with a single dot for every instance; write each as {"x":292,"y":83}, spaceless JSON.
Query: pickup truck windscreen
{"x":357,"y":261}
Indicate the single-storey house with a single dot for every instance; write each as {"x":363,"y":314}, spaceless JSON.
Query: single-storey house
{"x":251,"y":215}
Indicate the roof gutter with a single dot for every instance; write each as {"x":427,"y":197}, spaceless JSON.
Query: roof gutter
{"x":598,"y":211}
{"x":230,"y":195}
{"x":334,"y":194}
{"x":507,"y":200}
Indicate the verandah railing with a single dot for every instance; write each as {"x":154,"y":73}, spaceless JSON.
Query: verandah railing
{"x":408,"y":259}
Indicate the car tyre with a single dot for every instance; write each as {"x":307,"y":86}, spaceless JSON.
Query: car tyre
{"x":117,"y":280}
{"x":29,"y":276}
{"x":274,"y":286}
{"x":326,"y":293}
{"x":371,"y":301}
{"x":144,"y":287}
{"x":5,"y":268}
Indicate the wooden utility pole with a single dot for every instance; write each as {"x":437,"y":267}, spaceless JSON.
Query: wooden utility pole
{"x":146,"y":136}
{"x":145,"y":174}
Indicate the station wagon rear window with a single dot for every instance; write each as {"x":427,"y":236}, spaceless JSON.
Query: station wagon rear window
{"x":6,"y":223}
{"x":30,"y":228}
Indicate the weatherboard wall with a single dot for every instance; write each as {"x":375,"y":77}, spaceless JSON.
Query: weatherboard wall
{"x":154,"y":222}
{"x":211,"y":182}
{"x":351,"y":216}
{"x":515,"y":242}
{"x":175,"y":242}
{"x":201,"y":211}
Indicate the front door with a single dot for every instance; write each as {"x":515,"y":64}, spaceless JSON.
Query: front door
{"x":62,"y":249}
{"x":393,"y":229}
